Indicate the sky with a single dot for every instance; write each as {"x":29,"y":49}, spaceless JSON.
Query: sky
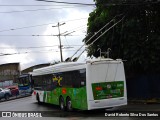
{"x":28,"y":30}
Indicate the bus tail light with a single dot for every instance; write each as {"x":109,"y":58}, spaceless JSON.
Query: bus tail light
{"x":98,"y":88}
{"x":34,"y":92}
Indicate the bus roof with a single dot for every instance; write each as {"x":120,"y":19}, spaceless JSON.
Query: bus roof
{"x":24,"y":75}
{"x":62,"y":67}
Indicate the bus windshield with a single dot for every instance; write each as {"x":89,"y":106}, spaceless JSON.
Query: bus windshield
{"x":23,"y":81}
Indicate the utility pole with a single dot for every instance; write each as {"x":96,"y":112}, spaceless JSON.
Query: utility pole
{"x":60,"y":47}
{"x":59,"y":36}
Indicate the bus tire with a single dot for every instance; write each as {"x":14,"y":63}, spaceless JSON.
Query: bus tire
{"x":69,"y":104}
{"x":61,"y":103}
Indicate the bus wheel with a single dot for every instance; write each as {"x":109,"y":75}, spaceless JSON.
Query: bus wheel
{"x":61,"y":103}
{"x":69,"y":104}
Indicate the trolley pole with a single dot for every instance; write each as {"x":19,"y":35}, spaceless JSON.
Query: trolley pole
{"x":59,"y":36}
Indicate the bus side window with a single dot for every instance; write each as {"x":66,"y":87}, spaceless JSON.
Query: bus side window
{"x":76,"y":79}
{"x":82,"y":77}
{"x":32,"y":82}
{"x":46,"y":82}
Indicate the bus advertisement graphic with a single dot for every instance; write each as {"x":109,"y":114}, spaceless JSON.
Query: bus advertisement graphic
{"x":106,"y":90}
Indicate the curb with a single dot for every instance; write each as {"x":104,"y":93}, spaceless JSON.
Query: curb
{"x":143,"y":101}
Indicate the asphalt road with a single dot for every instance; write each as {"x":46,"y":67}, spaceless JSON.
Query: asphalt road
{"x":26,"y":105}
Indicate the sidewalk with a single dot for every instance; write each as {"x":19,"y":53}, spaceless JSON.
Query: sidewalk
{"x":144,"y":101}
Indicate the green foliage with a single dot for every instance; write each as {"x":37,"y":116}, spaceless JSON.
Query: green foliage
{"x":136,"y":39}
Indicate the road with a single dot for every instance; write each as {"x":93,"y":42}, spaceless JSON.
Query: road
{"x":26,"y":104}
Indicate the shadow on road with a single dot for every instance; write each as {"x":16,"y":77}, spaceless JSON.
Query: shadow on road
{"x":54,"y":111}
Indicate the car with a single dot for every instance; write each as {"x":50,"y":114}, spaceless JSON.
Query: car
{"x":14,"y":90}
{"x":5,"y":93}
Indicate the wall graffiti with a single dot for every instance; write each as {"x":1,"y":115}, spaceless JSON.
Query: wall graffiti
{"x":9,"y":72}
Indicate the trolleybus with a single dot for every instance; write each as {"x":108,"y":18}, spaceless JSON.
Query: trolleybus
{"x":94,"y":84}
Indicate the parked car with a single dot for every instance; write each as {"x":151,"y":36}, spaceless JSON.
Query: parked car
{"x":5,"y":93}
{"x":14,"y":90}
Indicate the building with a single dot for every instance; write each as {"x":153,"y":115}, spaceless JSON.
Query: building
{"x":30,"y":69}
{"x":9,"y":73}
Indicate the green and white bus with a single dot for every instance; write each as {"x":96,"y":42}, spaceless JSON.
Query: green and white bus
{"x":94,"y":84}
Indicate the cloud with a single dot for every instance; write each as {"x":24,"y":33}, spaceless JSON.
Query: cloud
{"x":23,"y":58}
{"x":23,"y":37}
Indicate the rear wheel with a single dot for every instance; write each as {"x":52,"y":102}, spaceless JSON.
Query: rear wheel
{"x":61,"y":103}
{"x":69,"y":104}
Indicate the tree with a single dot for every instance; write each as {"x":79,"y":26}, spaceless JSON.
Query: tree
{"x":136,"y":39}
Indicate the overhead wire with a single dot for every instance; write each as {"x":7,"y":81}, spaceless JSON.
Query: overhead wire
{"x":34,"y":47}
{"x":34,"y":35}
{"x":95,"y":34}
{"x":29,"y":52}
{"x":12,"y":29}
{"x":77,"y":28}
{"x":84,"y":4}
{"x":107,"y":4}
{"x":45,"y":5}
{"x":70,"y":3}
{"x":38,"y":35}
{"x":106,"y":31}
{"x":84,"y":44}
{"x":33,"y":10}
{"x":33,"y":5}
{"x":100,"y":36}
{"x":29,"y":26}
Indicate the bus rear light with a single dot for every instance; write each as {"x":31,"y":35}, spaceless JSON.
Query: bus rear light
{"x":34,"y":92}
{"x":98,"y":88}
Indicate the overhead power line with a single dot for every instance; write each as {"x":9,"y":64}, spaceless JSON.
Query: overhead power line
{"x":45,"y":51}
{"x":12,"y":29}
{"x":109,"y":3}
{"x":101,"y":35}
{"x":34,"y":10}
{"x":87,"y":4}
{"x":106,"y":31}
{"x":95,"y":35}
{"x":32,"y":5}
{"x":78,"y":28}
{"x":70,"y":3}
{"x":36,"y":35}
{"x":37,"y":47}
